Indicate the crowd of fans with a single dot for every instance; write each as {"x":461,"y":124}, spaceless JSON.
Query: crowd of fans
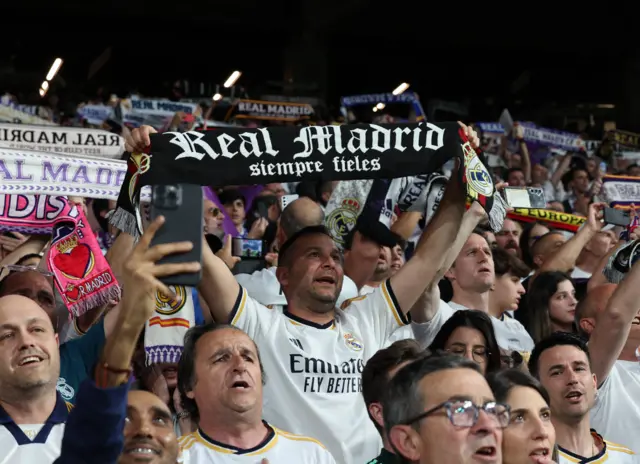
{"x":454,"y":344}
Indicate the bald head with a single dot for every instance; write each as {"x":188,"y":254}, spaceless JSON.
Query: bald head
{"x":545,"y":246}
{"x":301,"y":213}
{"x":20,"y":304}
{"x":591,"y":305}
{"x":595,"y":301}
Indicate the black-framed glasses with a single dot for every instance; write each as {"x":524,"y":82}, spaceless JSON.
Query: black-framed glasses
{"x":480,"y":354}
{"x":463,"y":413}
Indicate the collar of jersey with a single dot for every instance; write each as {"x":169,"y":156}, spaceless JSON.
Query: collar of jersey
{"x":299,"y":320}
{"x":235,"y":450}
{"x":58,"y":415}
{"x":595,"y":458}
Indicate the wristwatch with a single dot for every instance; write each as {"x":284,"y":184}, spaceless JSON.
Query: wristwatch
{"x":183,"y":415}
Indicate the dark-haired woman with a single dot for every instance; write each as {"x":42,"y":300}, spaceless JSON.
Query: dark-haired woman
{"x":530,"y":436}
{"x":549,"y":305}
{"x":470,"y":334}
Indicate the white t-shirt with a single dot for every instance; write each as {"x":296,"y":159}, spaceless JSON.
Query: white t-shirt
{"x":278,"y":447}
{"x":264,"y":287}
{"x":314,"y":372}
{"x":611,"y":453}
{"x":510,"y":333}
{"x":578,"y":273}
{"x":616,"y":412}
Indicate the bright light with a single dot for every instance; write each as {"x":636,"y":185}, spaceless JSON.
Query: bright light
{"x":45,"y":86}
{"x":401,"y":88}
{"x":380,"y":106}
{"x":217,"y":97}
{"x":235,"y":75}
{"x":55,"y":67}
{"x":375,"y":108}
{"x":42,"y":92}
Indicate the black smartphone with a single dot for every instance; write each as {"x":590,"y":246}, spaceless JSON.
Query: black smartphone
{"x":248,"y":248}
{"x":181,"y":205}
{"x":617,"y":217}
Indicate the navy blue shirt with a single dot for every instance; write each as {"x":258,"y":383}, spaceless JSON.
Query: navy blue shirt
{"x":95,"y":427}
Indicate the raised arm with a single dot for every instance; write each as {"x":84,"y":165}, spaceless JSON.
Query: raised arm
{"x":565,"y":258}
{"x":218,"y":286}
{"x":411,"y":281}
{"x":610,"y":333}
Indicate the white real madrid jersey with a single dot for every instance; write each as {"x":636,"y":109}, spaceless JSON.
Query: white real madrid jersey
{"x":611,"y":453}
{"x":314,"y":384}
{"x":616,"y":411}
{"x":37,"y":443}
{"x":278,"y":447}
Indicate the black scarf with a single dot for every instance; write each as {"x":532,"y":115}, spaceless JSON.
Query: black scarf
{"x":241,"y":156}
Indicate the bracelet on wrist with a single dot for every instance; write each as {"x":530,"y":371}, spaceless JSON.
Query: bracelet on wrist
{"x":183,"y":415}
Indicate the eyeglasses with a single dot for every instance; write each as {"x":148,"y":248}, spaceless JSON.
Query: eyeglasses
{"x":19,"y":268}
{"x":214,"y":211}
{"x":478,"y":353}
{"x":463,"y":413}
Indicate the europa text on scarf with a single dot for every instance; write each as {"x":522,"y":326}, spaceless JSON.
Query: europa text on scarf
{"x":241,"y":156}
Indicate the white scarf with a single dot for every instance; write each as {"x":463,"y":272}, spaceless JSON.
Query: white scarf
{"x":165,"y":330}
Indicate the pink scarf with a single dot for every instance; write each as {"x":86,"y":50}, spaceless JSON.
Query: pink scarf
{"x":82,"y":275}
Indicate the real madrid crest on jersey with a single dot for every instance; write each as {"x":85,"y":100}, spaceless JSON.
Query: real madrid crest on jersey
{"x":66,"y":391}
{"x":352,"y":342}
{"x":167,"y":306}
{"x":478,"y":178}
{"x":343,"y":219}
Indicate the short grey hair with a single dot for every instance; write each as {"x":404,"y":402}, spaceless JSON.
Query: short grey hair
{"x":290,"y":223}
{"x":403,"y":399}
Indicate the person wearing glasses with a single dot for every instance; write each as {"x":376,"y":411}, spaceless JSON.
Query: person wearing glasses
{"x":530,"y":435}
{"x":460,"y":422}
{"x":470,"y":334}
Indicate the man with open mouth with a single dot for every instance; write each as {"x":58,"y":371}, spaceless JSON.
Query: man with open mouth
{"x":440,"y":409}
{"x":563,"y":365}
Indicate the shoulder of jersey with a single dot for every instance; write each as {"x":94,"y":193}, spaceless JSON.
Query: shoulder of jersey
{"x":618,"y":448}
{"x":299,"y":438}
{"x":346,"y":303}
{"x":187,"y":441}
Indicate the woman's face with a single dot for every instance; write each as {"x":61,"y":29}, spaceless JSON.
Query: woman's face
{"x":530,"y":436}
{"x":507,"y":291}
{"x":469,"y":343}
{"x":562,"y":305}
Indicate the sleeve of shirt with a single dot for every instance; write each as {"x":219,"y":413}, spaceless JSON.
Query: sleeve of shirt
{"x":95,"y":426}
{"x":380,"y":309}
{"x":89,"y":346}
{"x":251,"y":316}
{"x":427,"y":331}
{"x":197,"y":309}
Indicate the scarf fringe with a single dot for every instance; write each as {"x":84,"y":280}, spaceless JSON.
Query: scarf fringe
{"x":162,"y":354}
{"x":125,"y":221}
{"x":95,"y":300}
{"x":498,"y":212}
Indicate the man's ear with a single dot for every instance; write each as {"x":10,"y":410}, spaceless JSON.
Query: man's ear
{"x":405,"y":442}
{"x":587,"y":324}
{"x":282,"y":274}
{"x":450,"y":274}
{"x":375,"y":409}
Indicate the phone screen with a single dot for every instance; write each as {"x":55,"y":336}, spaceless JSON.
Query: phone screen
{"x":525,"y":197}
{"x":247,"y":248}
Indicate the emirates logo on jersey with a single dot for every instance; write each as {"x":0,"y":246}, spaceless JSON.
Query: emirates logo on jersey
{"x":352,"y":342}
